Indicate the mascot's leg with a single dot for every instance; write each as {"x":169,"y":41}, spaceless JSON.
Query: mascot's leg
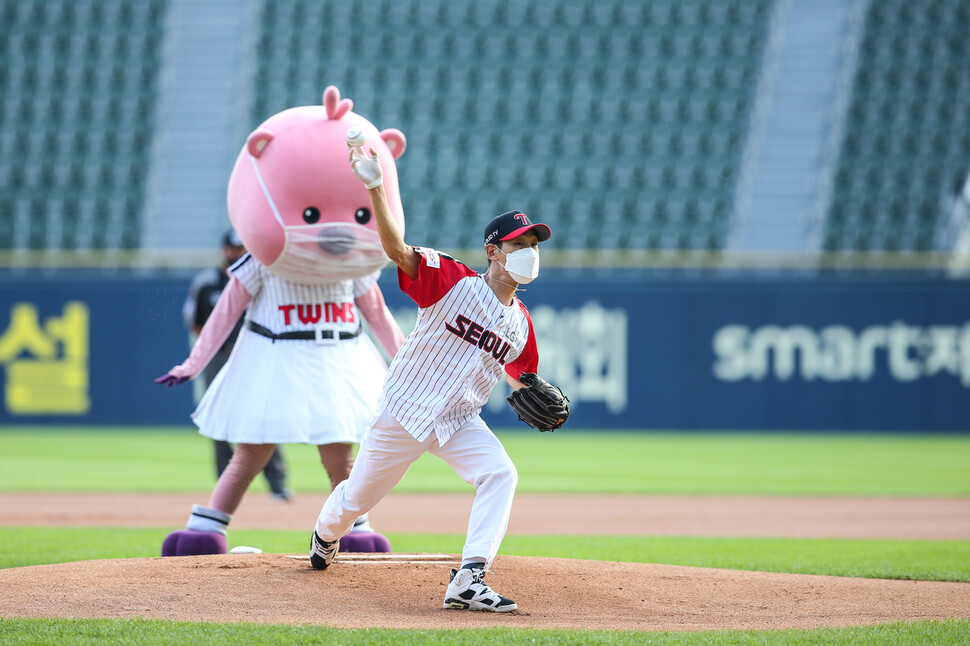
{"x":247,"y":461}
{"x":338,"y":460}
{"x":207,"y":529}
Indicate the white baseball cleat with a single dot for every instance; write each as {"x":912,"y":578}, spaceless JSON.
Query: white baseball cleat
{"x":467,"y":590}
{"x":322,"y":553}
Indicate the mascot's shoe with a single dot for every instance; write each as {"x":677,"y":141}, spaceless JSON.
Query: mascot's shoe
{"x":363,"y":538}
{"x":190,"y":542}
{"x":365,"y":542}
{"x":322,"y":553}
{"x":205,"y":533}
{"x":467,"y":590}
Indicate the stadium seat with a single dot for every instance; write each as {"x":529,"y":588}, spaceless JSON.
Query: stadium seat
{"x":534,"y":102}
{"x":906,"y":132}
{"x":541,"y":104}
{"x":107,"y":54}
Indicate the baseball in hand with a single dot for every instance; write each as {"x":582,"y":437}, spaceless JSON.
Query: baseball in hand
{"x":367,"y":169}
{"x":355,"y":138}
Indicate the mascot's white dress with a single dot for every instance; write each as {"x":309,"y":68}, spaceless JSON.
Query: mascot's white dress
{"x":319,"y":390}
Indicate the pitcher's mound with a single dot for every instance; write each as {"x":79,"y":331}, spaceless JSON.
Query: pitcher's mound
{"x":406,"y":591}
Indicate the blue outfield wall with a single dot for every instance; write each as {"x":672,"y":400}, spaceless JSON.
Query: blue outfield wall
{"x":654,"y":353}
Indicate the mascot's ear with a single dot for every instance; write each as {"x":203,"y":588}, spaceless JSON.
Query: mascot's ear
{"x":336,"y":107}
{"x":395,"y":140}
{"x":257,"y":142}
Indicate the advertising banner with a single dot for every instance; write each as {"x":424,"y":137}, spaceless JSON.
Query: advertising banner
{"x":630,"y":353}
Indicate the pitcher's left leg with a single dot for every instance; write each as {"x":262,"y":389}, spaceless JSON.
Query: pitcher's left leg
{"x":480,"y":459}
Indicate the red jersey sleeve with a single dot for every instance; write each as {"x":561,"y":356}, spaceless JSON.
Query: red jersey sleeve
{"x":528,"y":360}
{"x":437,"y":273}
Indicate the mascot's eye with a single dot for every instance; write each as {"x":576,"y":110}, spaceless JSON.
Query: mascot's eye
{"x":311,"y":215}
{"x":362,"y":216}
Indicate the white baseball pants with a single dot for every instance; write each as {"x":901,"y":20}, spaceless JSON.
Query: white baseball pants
{"x":387,"y":452}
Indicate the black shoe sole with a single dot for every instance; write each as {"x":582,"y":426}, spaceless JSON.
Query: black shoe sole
{"x":458,"y":604}
{"x":318,"y":562}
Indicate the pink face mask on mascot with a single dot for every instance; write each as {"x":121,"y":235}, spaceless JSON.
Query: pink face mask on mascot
{"x":295,"y":202}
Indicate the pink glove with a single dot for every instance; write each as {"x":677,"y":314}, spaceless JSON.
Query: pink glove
{"x":230,"y":306}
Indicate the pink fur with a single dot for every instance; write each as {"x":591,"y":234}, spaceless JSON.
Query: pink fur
{"x":395,"y":141}
{"x":247,"y":461}
{"x":335,"y":107}
{"x":257,"y":142}
{"x":301,"y":157}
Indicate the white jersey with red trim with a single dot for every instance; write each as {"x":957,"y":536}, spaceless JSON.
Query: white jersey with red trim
{"x":281,"y":305}
{"x":463,"y":340}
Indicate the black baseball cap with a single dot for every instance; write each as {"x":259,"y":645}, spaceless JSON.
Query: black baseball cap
{"x":231,"y":239}
{"x":512,"y":224}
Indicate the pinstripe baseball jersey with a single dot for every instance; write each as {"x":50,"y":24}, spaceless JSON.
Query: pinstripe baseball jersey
{"x":463,"y":339}
{"x":282,"y":305}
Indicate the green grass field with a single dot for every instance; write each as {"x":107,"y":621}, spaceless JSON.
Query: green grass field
{"x":622,"y":463}
{"x":635,"y":463}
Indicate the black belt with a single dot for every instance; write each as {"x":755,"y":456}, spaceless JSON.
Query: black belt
{"x":300,"y":335}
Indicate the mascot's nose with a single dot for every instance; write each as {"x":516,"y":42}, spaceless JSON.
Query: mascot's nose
{"x":337,"y":240}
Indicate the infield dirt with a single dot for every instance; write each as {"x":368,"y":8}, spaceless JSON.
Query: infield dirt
{"x":615,"y":515}
{"x":551,"y":593}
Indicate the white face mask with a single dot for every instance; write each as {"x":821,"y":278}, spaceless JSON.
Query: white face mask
{"x":324,"y":253}
{"x":522,"y":265}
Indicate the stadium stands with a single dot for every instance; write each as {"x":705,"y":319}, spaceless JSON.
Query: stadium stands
{"x":621,"y":122}
{"x":77,"y":95}
{"x":907,"y":137}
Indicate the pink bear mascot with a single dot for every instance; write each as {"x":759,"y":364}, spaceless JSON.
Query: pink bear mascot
{"x":301,"y":371}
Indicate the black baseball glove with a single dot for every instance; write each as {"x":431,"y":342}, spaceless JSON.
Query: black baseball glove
{"x":540,"y":404}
